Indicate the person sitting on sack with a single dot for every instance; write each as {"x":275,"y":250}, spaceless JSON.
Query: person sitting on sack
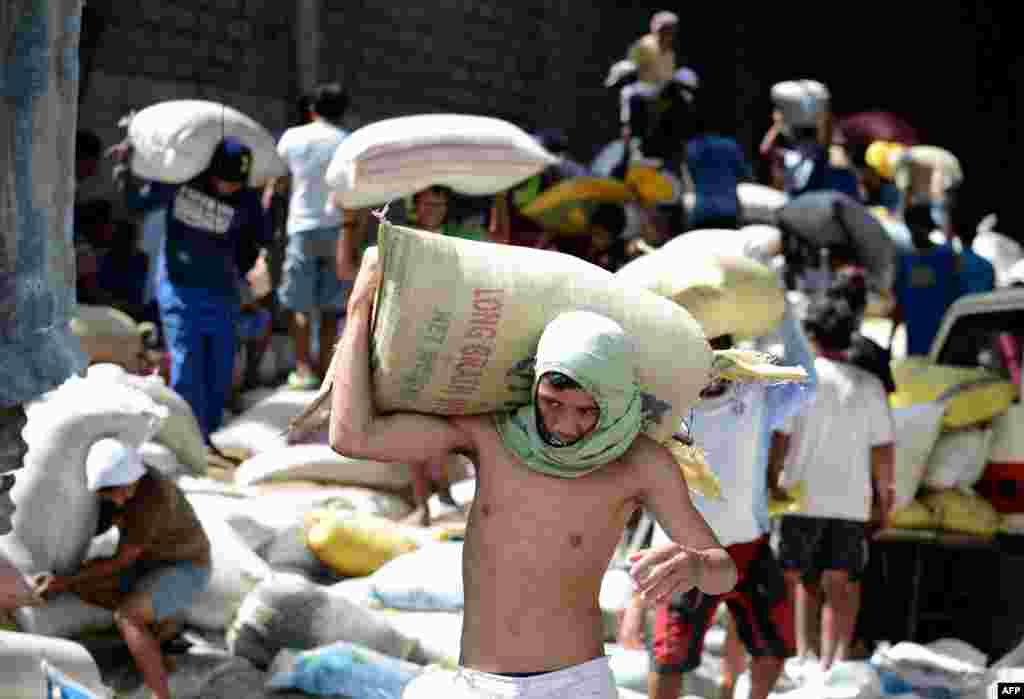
{"x":162,"y":560}
{"x":557,"y":482}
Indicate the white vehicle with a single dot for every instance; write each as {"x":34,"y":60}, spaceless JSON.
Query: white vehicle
{"x":988,"y":330}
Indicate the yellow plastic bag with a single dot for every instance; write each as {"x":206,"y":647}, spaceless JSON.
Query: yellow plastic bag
{"x":957,"y":512}
{"x":913,"y":516}
{"x":355,"y":545}
{"x":795,"y":503}
{"x":973,"y":394}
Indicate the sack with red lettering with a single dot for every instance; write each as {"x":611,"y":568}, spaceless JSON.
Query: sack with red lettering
{"x":457,"y":323}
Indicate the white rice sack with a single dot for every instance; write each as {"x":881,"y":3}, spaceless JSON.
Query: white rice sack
{"x":288,"y":611}
{"x":162,"y":459}
{"x":428,"y":579}
{"x":395,"y":158}
{"x":958,"y":459}
{"x":175,"y":140}
{"x":56,"y":514}
{"x":439,"y":634}
{"x":180,"y":432}
{"x":759,"y":202}
{"x":802,"y":102}
{"x":236,"y":570}
{"x":318,"y":462}
{"x":916,"y":428}
{"x":1001,"y":250}
{"x":262,"y":427}
{"x":23,"y":675}
{"x":259,"y":519}
{"x":64,"y":616}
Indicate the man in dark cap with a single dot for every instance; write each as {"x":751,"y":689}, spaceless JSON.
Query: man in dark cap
{"x":215,"y":228}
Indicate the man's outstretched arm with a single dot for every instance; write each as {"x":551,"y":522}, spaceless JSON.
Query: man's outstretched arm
{"x":695,"y":558}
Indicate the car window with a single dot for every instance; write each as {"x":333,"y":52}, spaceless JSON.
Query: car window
{"x":992,"y":340}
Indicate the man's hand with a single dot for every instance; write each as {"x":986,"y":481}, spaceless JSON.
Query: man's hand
{"x":121,"y":152}
{"x":631,"y":628}
{"x":48,"y":585}
{"x":660,"y":573}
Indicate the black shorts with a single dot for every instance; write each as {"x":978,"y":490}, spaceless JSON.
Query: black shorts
{"x":813,"y":545}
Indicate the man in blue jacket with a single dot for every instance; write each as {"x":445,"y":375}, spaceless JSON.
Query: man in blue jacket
{"x":215,"y":228}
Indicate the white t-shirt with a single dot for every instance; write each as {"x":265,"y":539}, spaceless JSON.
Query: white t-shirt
{"x":728,"y":429}
{"x":308,"y":150}
{"x":831,"y":441}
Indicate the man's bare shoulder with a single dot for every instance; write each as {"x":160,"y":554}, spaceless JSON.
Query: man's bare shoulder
{"x":646,"y":456}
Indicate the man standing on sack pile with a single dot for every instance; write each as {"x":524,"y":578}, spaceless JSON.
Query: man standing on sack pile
{"x":557,"y":481}
{"x":216,"y":226}
{"x":162,"y":560}
{"x":728,"y":424}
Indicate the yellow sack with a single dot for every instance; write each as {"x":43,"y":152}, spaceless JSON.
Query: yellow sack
{"x":355,"y":545}
{"x":913,"y":516}
{"x":973,"y":394}
{"x":566,"y":207}
{"x":794,"y":504}
{"x":728,"y":294}
{"x":957,"y":512}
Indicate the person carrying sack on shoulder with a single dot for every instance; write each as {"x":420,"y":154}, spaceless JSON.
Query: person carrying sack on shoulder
{"x":557,"y":482}
{"x":216,"y":226}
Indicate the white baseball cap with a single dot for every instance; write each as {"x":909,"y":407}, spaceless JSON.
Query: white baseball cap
{"x":111,"y":463}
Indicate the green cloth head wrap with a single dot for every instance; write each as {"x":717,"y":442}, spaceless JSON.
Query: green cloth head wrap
{"x":595,"y":352}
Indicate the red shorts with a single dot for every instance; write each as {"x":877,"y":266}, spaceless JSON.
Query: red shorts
{"x":758,"y":603}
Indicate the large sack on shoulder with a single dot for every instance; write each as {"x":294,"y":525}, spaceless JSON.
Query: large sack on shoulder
{"x":56,"y":514}
{"x":801,"y":102}
{"x":486,"y":312}
{"x":397,"y":157}
{"x":727,"y":294}
{"x":180,"y":432}
{"x":174,"y":141}
{"x":288,"y":611}
{"x":958,"y":512}
{"x":23,"y":675}
{"x":959,"y":458}
{"x":235,"y":571}
{"x":428,"y":580}
{"x":320,"y":463}
{"x":354,"y":545}
{"x":916,"y":428}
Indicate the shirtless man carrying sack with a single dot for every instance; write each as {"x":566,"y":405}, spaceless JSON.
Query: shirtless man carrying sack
{"x":557,"y":481}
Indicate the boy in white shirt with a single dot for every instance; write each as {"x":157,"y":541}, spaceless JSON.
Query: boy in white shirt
{"x":839,"y":448}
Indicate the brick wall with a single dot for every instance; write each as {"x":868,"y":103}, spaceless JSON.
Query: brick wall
{"x":236,"y":51}
{"x":538,"y":63}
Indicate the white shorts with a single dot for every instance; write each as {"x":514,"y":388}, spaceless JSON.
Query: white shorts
{"x":590,"y":680}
